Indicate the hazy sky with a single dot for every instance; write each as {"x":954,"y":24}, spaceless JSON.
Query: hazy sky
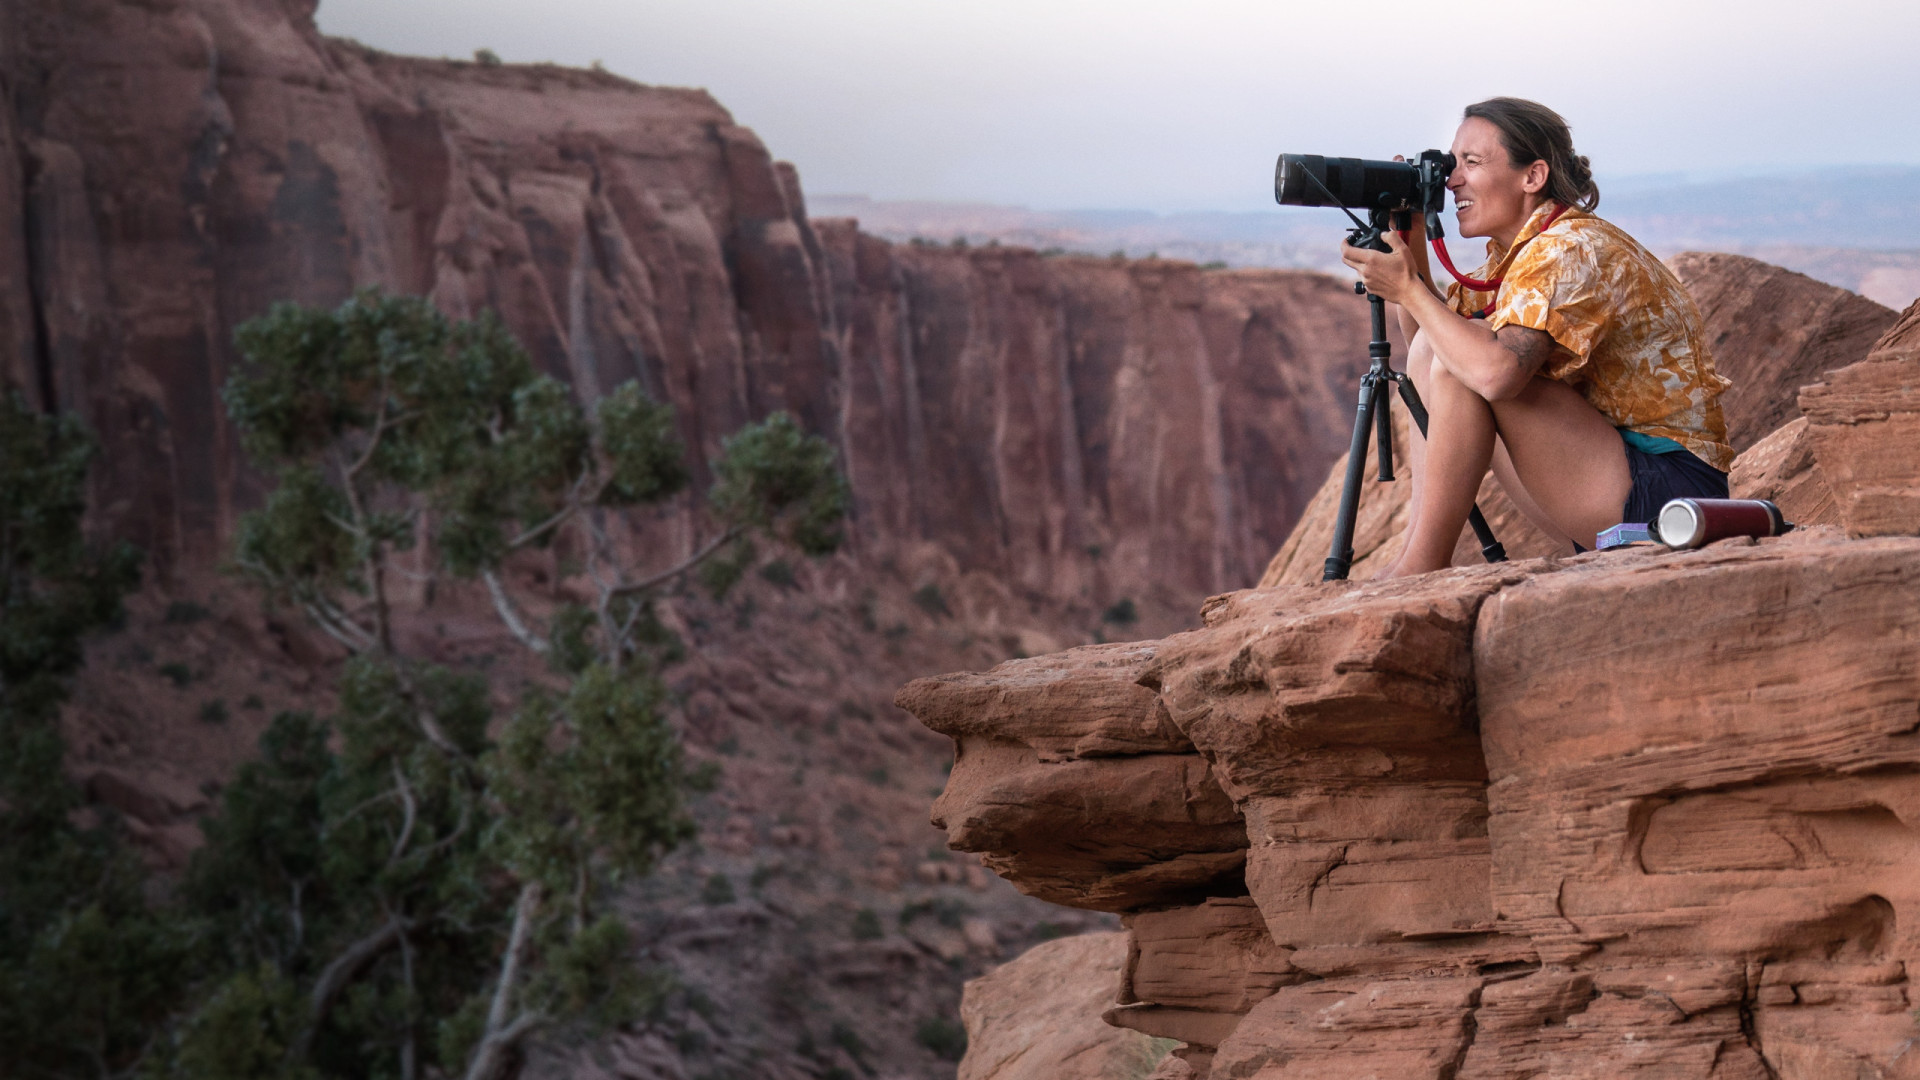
{"x":1172,"y":106}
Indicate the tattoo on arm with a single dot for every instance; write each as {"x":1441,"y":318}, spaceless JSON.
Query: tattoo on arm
{"x":1530,"y":347}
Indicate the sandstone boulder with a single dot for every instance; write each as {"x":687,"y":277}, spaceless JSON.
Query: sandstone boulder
{"x":1636,"y":813}
{"x":1038,"y":1017}
{"x":1705,"y":782}
{"x":1781,"y":468}
{"x":1864,"y":431}
{"x":1105,"y":762}
{"x":1771,"y":331}
{"x":1903,"y":337}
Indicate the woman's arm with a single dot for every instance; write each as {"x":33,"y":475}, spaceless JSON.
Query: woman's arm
{"x":1495,"y":366}
{"x":1417,"y":251}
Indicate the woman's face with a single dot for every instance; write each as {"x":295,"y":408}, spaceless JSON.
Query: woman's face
{"x":1490,"y":196}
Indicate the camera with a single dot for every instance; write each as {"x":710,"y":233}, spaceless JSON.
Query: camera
{"x":1417,"y":186}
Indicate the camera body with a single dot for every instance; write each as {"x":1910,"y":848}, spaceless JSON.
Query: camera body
{"x":1417,"y":186}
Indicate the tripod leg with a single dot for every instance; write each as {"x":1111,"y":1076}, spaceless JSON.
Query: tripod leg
{"x":1340,"y":559}
{"x":1490,"y":546}
{"x":1383,"y":435}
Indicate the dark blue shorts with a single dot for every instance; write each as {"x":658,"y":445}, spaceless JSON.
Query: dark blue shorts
{"x":1657,"y":478}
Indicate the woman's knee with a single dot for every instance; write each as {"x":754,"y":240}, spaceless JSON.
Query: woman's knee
{"x":1419,"y":356}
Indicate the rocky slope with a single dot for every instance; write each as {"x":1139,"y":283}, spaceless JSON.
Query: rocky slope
{"x":1635,"y":813}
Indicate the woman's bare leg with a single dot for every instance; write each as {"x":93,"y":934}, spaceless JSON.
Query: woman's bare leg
{"x":1419,"y":363}
{"x":1460,"y":434}
{"x":1517,"y":494}
{"x":1566,"y":459}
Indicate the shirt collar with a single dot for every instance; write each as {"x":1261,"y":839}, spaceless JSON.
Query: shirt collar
{"x":1536,"y":224}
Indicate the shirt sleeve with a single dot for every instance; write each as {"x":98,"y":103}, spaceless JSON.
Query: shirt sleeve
{"x":1555,"y":285}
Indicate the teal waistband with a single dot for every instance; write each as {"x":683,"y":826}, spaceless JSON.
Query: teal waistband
{"x":1649,"y":444}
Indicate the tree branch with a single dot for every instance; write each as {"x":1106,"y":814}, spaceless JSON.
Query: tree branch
{"x":503,"y":604}
{"x":685,"y":565}
{"x":495,"y":1046}
{"x":334,"y":978}
{"x":559,"y":518}
{"x":375,"y":561}
{"x":501,"y":1033}
{"x":337,"y":626}
{"x":412,"y":811}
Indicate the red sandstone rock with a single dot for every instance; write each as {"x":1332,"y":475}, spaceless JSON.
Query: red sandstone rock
{"x":1903,"y":337}
{"x":1087,"y":702}
{"x":1717,"y":800}
{"x":1105,"y":762}
{"x":1772,"y":330}
{"x":1684,"y":853}
{"x":1781,"y":468}
{"x":1864,"y":430}
{"x":1215,"y":956}
{"x":1038,"y":1017}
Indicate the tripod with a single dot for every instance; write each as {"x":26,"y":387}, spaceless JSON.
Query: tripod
{"x":1374,"y":415}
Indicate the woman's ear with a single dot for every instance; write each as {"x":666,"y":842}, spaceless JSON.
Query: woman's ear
{"x":1535,"y":180}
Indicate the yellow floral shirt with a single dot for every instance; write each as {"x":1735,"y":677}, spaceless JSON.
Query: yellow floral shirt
{"x":1627,"y":334}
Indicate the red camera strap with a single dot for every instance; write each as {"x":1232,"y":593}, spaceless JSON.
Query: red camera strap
{"x":1475,"y":284}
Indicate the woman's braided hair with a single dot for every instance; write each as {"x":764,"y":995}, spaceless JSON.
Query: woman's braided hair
{"x":1532,"y":132}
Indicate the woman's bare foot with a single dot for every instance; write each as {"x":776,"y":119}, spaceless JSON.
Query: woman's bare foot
{"x":1402,"y":566}
{"x":1394,"y":569}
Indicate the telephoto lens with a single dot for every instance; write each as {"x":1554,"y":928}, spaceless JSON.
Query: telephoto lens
{"x":1353,"y":182}
{"x":1692,"y":523}
{"x":1419,"y":185}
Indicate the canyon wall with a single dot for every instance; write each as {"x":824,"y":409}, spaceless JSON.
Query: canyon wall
{"x":1628,"y":813}
{"x":1088,"y":428}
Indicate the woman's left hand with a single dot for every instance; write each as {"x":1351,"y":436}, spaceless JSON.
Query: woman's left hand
{"x":1388,"y":275}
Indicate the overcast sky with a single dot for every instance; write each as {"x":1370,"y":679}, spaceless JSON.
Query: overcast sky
{"x":1173,"y":105}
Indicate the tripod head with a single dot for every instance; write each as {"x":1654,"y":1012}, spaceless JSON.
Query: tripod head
{"x":1373,"y":236}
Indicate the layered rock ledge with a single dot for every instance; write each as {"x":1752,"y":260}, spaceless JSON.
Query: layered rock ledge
{"x":1634,"y":813}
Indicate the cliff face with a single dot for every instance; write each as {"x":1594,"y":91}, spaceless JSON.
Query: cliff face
{"x":168,"y":169}
{"x":1628,"y":813}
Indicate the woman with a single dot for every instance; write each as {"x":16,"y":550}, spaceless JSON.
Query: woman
{"x":1573,"y":362}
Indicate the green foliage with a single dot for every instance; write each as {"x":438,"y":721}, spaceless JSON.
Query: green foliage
{"x":718,"y":890}
{"x":372,"y":873}
{"x":1122,"y":613}
{"x":644,"y":454}
{"x":928,"y":599}
{"x":609,"y":784}
{"x":779,"y":573}
{"x":243,"y":1030}
{"x":944,"y":1036}
{"x":774,"y":477}
{"x":722,"y":572}
{"x":866,"y":925}
{"x":843,"y":1036}
{"x":86,"y":968}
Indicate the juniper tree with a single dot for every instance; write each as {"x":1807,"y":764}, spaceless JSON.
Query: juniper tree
{"x":87,"y":970}
{"x":411,"y":886}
